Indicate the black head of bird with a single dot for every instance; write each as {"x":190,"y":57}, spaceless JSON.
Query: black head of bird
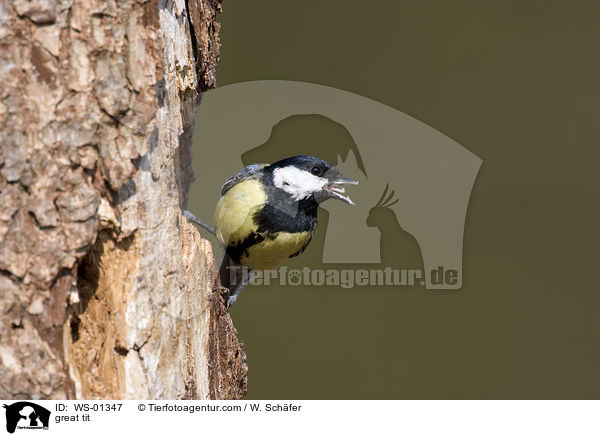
{"x":308,"y":178}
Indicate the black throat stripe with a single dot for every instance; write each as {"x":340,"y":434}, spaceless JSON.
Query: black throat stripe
{"x":281,"y":213}
{"x":236,"y":250}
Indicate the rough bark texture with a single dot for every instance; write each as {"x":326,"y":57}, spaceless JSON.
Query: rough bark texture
{"x":105,"y":290}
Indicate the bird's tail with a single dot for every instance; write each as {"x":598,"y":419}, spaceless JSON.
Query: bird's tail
{"x":233,"y":277}
{"x":231,"y":274}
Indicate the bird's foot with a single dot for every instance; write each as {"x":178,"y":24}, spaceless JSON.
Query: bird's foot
{"x":226,"y":293}
{"x":231,"y":300}
{"x":193,"y":218}
{"x":223,"y":290}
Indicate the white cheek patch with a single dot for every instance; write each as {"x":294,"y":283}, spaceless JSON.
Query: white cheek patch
{"x":298,"y":183}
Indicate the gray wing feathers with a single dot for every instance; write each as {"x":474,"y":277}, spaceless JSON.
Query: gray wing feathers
{"x":243,"y":174}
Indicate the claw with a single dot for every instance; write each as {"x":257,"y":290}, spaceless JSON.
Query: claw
{"x":231,"y":301}
{"x":222,"y":289}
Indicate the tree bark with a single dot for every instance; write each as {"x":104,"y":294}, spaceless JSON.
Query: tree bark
{"x":105,"y":290}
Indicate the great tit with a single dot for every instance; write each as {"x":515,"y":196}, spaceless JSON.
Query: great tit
{"x":268,"y":213}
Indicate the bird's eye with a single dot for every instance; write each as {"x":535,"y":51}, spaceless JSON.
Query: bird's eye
{"x":315,"y":171}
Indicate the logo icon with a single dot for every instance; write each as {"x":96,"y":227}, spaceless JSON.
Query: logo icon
{"x":429,"y":174}
{"x":26,"y":415}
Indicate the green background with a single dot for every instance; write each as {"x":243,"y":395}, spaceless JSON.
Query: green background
{"x":517,"y":84}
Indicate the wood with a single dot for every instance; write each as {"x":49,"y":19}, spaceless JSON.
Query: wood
{"x":105,"y":289}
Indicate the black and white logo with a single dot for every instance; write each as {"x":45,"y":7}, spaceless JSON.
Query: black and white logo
{"x":26,"y":415}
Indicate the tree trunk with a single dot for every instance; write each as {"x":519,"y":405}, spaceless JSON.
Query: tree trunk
{"x":105,"y":290}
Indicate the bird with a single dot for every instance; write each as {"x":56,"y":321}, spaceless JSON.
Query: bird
{"x":268,"y":213}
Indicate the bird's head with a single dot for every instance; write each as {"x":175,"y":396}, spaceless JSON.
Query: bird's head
{"x":305,"y":177}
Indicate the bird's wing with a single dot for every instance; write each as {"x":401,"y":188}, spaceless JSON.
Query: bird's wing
{"x":243,"y":174}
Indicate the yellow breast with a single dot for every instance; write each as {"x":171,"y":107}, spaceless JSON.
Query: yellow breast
{"x":273,"y":251}
{"x":235,"y":210}
{"x":234,"y":222}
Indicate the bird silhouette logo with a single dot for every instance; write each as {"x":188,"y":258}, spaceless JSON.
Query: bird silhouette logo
{"x":421,"y":224}
{"x":397,"y":246}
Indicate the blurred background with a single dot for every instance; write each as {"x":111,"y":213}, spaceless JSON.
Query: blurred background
{"x":516,"y":83}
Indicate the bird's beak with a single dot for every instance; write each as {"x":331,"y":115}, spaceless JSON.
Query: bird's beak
{"x":336,"y":190}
